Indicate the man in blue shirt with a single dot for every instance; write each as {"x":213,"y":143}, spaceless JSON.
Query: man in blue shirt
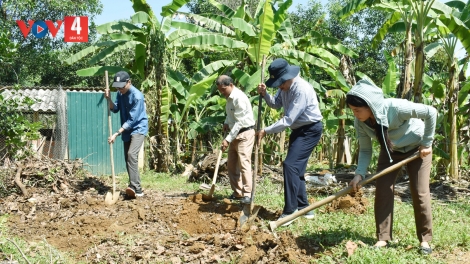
{"x":302,"y":115}
{"x":134,"y":127}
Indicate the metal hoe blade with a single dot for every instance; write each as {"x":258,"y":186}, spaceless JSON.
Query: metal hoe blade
{"x":247,"y":216}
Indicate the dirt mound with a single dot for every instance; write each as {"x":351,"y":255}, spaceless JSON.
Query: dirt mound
{"x":179,"y":228}
{"x":352,"y":203}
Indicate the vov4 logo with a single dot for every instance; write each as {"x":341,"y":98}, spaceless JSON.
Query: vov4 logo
{"x":75,"y":28}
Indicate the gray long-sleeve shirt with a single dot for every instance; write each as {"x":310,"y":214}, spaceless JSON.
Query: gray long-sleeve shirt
{"x":300,"y":105}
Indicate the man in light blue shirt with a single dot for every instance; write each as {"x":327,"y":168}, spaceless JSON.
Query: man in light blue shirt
{"x":302,"y":114}
{"x":134,"y":127}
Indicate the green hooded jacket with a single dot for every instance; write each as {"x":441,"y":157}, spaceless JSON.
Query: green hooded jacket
{"x":403,"y":118}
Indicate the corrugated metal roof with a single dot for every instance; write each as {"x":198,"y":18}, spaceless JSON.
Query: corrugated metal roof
{"x":46,"y":98}
{"x":66,"y":88}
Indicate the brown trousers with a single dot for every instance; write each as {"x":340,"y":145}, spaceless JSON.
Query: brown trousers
{"x":239,"y":163}
{"x":419,"y":171}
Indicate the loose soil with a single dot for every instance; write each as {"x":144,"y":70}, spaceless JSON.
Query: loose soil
{"x":352,"y":203}
{"x":159,"y":227}
{"x":156,"y":228}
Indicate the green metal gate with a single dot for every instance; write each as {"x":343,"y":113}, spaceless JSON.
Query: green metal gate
{"x":87,"y":117}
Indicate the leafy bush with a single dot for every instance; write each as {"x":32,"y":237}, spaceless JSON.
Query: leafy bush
{"x":15,"y":128}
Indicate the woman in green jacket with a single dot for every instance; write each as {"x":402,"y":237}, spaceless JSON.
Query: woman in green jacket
{"x":398,"y":126}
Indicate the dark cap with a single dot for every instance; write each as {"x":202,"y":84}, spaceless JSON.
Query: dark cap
{"x":120,"y":79}
{"x":280,"y":71}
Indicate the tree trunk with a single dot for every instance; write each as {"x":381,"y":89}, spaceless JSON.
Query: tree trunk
{"x":159,"y":56}
{"x":193,"y":151}
{"x":404,"y":89}
{"x":419,"y":71}
{"x":341,"y":151}
{"x":320,"y":153}
{"x":452,"y":118}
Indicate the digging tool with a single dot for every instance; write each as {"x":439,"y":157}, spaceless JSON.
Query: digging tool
{"x":214,"y":178}
{"x":274,"y":224}
{"x":111,"y":198}
{"x":249,"y":212}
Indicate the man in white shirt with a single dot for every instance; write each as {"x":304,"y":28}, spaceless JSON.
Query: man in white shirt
{"x":240,"y":139}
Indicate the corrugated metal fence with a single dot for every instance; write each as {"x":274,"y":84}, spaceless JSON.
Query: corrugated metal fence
{"x":87,"y":117}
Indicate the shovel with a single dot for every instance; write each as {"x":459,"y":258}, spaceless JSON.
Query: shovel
{"x":111,"y":198}
{"x":249,"y":212}
{"x":274,"y":224}
{"x":214,"y":178}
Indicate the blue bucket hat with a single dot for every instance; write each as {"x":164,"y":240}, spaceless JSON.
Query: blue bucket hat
{"x":280,"y":71}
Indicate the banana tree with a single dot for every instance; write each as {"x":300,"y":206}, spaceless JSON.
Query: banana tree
{"x":269,"y":33}
{"x":450,"y":44}
{"x":236,"y":33}
{"x":455,"y":98}
{"x":418,"y":17}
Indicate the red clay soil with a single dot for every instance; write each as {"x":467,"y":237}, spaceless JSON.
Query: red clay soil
{"x":177,"y":228}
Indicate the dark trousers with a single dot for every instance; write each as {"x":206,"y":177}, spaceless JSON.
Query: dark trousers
{"x":302,"y":141}
{"x":419,"y":171}
{"x":131,"y":155}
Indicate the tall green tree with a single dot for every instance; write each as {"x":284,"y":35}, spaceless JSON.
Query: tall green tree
{"x":38,"y":57}
{"x":8,"y":52}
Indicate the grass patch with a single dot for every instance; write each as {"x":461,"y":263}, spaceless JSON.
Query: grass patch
{"x":166,"y":182}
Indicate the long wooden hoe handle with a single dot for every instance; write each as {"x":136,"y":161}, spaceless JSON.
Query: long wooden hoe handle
{"x":110,"y":134}
{"x":216,"y":171}
{"x":258,"y":127}
{"x":274,"y":224}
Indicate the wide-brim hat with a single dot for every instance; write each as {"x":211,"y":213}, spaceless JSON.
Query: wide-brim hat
{"x":280,"y":71}
{"x":120,"y":79}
